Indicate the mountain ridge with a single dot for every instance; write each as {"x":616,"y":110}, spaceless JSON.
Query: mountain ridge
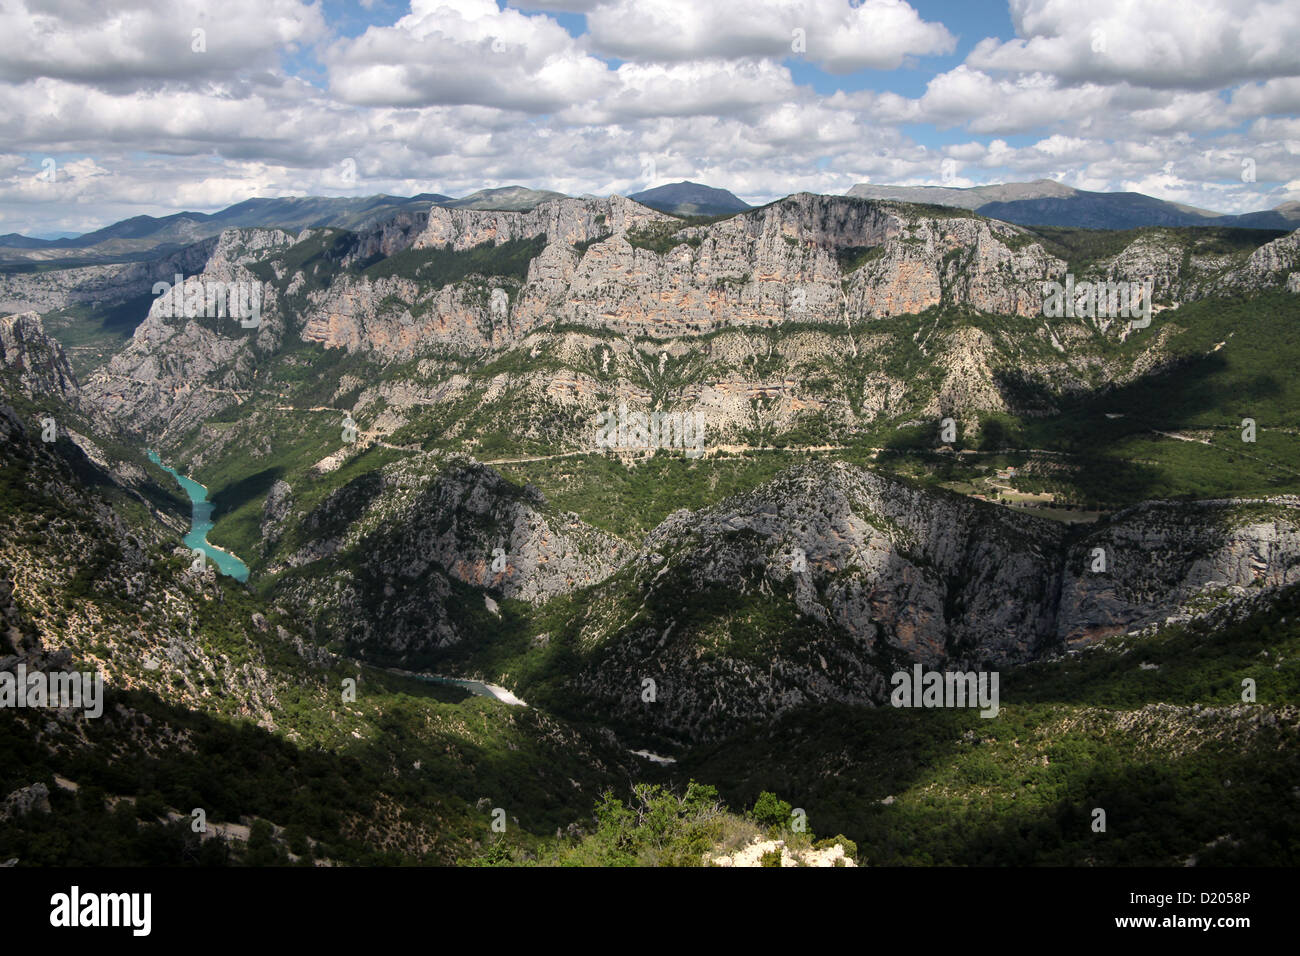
{"x":690,"y":199}
{"x":1046,"y":202}
{"x":1042,"y":202}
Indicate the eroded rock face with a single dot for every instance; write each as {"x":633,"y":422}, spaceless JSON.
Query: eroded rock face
{"x":177,"y":372}
{"x":1181,"y":270}
{"x":753,"y":853}
{"x":1156,"y":557}
{"x":97,"y":285}
{"x":417,"y":528}
{"x":37,"y":362}
{"x":897,"y":561}
{"x":359,"y":315}
{"x":893,"y":576}
{"x":46,"y":291}
{"x":1279,"y":256}
{"x":853,"y":574}
{"x":776,"y":264}
{"x":780,"y":264}
{"x":25,"y":800}
{"x":275,"y":510}
{"x":1151,"y":257}
{"x":613,"y":265}
{"x":565,"y":221}
{"x":960,"y":261}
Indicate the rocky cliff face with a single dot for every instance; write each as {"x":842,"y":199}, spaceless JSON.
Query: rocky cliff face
{"x":1158,"y":558}
{"x":618,"y":265}
{"x":615,"y":266}
{"x":565,"y":221}
{"x":890,"y":576}
{"x":1182,"y":268}
{"x":177,"y":371}
{"x":928,"y":262}
{"x":410,"y":533}
{"x":782,"y":263}
{"x":813,"y":587}
{"x":1271,"y":264}
{"x":398,"y":318}
{"x":888,"y":564}
{"x":37,"y":363}
{"x":97,"y":285}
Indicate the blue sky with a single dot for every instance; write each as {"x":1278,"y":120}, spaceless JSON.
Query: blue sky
{"x":1194,"y":101}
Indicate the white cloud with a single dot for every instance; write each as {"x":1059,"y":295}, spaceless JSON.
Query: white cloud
{"x":461,"y":94}
{"x":1164,"y":44}
{"x":710,"y":87}
{"x":455,"y":52}
{"x":1271,"y":97}
{"x":149,"y":40}
{"x":985,"y":104}
{"x":836,"y":35}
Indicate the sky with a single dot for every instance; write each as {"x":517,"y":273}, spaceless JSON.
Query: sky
{"x":149,"y":107}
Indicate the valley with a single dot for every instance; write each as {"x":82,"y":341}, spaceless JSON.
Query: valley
{"x":201,"y":523}
{"x":461,"y":603}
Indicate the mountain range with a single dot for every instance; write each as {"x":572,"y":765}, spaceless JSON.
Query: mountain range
{"x":1044,"y":202}
{"x":904,"y":463}
{"x":690,"y":199}
{"x":146,"y":234}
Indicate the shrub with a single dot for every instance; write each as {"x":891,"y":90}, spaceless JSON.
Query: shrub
{"x":769,"y":811}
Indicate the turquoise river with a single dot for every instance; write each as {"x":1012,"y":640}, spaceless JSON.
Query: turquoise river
{"x":201,"y":524}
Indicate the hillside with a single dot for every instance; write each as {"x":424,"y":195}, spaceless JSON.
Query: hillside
{"x":1046,"y":202}
{"x":694,"y":489}
{"x":690,"y":199}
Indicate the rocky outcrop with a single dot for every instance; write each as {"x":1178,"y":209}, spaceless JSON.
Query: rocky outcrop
{"x":618,"y":265}
{"x":983,"y":264}
{"x":36,"y":362}
{"x":851,"y":573}
{"x":1272,"y":262}
{"x":855,"y":574}
{"x":178,"y":372}
{"x":1182,"y":266}
{"x":1155,"y":559}
{"x":565,"y":221}
{"x":400,"y":317}
{"x":753,"y":854}
{"x":25,"y":800}
{"x":97,"y":285}
{"x":613,"y":265}
{"x":466,"y":519}
{"x":785,"y":263}
{"x":275,"y":510}
{"x":1156,"y":257}
{"x":418,"y":533}
{"x":889,"y":564}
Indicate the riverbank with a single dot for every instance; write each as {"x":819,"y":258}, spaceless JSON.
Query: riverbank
{"x":201,"y":523}
{"x":481,"y":688}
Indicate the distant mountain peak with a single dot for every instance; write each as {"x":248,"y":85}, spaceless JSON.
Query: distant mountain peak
{"x":515,"y":198}
{"x":1046,"y":202}
{"x":690,"y":199}
{"x":965,"y":197}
